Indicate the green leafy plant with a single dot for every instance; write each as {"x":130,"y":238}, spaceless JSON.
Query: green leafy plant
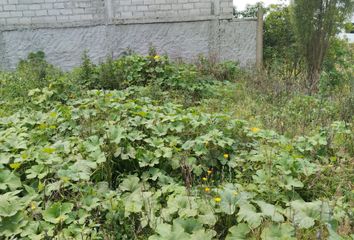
{"x":87,"y":162}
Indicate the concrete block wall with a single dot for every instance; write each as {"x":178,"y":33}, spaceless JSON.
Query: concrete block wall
{"x":70,"y":12}
{"x":39,"y":12}
{"x":162,"y":8}
{"x":171,"y":8}
{"x":226,"y":7}
{"x":64,"y":29}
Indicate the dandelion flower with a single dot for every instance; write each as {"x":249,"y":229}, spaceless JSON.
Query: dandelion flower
{"x":205,"y":179}
{"x":226,"y":156}
{"x":217,"y":199}
{"x":255,"y":130}
{"x":207,"y":189}
{"x":157,"y":58}
{"x":209,"y":172}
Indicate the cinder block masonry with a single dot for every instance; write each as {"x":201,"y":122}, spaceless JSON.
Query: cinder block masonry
{"x":63,"y":29}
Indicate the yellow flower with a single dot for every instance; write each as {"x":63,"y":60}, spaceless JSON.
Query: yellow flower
{"x":235,"y":193}
{"x":65,"y":179}
{"x":40,"y":186}
{"x":53,"y":114}
{"x":226,"y":156}
{"x":48,"y":150}
{"x":207,"y":189}
{"x":255,"y":130}
{"x":204,"y":179}
{"x":60,"y":219}
{"x":33,"y":206}
{"x":157,"y":58}
{"x":209,"y":172}
{"x":42,"y":126}
{"x":15,"y":166}
{"x":217,"y":199}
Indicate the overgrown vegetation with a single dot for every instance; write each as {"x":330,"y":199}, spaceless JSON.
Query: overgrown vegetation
{"x":144,"y":148}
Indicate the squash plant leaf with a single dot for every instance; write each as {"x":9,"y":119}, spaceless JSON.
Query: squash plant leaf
{"x":9,"y":180}
{"x":278,"y":232}
{"x":270,"y":210}
{"x":238,"y":232}
{"x":57,"y":212}
{"x":249,"y":214}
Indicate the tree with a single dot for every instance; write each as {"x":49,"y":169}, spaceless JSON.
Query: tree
{"x":279,"y":41}
{"x":315,"y":23}
{"x":251,"y":11}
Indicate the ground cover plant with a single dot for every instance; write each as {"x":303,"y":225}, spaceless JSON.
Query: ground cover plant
{"x":145,"y":148}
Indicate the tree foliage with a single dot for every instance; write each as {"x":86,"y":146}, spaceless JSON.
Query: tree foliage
{"x":251,"y":11}
{"x":279,"y":41}
{"x":315,"y":23}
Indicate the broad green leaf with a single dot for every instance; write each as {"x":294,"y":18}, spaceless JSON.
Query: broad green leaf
{"x":189,"y":225}
{"x":97,"y":156}
{"x":12,"y":225}
{"x":9,"y":180}
{"x":238,"y":232}
{"x":229,"y":200}
{"x":164,"y":229}
{"x":33,"y":231}
{"x":132,"y":206}
{"x":10,"y":204}
{"x":305,"y":213}
{"x":270,"y":210}
{"x":37,"y":171}
{"x":291,"y":183}
{"x":57,"y":212}
{"x":249,"y":214}
{"x":130,"y":184}
{"x":203,"y":235}
{"x":147,"y":158}
{"x":116,"y":134}
{"x":278,"y":232}
{"x":166,"y":232}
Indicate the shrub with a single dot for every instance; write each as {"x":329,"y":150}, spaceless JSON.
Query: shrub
{"x":153,"y":71}
{"x":33,"y":72}
{"x":338,"y":66}
{"x":224,"y":71}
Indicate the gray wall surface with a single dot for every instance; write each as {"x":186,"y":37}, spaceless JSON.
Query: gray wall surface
{"x":64,"y":29}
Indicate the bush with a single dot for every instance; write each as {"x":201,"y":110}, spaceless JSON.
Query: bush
{"x":155,"y":72}
{"x":225,"y":71}
{"x":338,"y":70}
{"x":33,"y":72}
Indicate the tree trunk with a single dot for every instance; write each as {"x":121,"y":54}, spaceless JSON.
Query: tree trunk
{"x":313,"y":79}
